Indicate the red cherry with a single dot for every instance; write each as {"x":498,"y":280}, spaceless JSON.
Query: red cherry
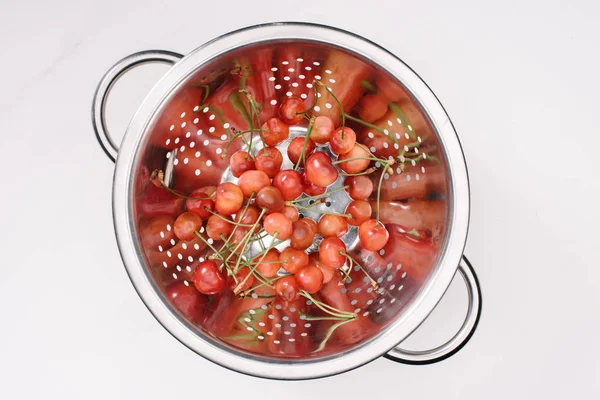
{"x":216,"y":227}
{"x":311,"y":189}
{"x":252,"y":181}
{"x":269,"y":265}
{"x":289,"y":182}
{"x":250,"y":216}
{"x":355,"y":166}
{"x":275,"y":131}
{"x":291,"y":213}
{"x":240,"y":162}
{"x":312,"y":224}
{"x":332,"y":226}
{"x":331,"y":252}
{"x":360,"y":211}
{"x":185,"y":225}
{"x":229,"y":198}
{"x":241,"y":276}
{"x":293,"y":260}
{"x":277,"y":224}
{"x":269,"y":161}
{"x":270,"y":198}
{"x":303,"y":234}
{"x":322,"y":129}
{"x":373,"y":235}
{"x":342,"y":142}
{"x":201,"y":208}
{"x":319,"y":169}
{"x":360,"y":188}
{"x":310,"y":279}
{"x":207,"y":278}
{"x":328,"y":272}
{"x":294,"y":150}
{"x":291,"y":110}
{"x":187,"y":300}
{"x":287,"y":288}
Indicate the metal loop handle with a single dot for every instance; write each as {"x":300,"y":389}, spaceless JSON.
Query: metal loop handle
{"x":460,"y":338}
{"x":106,"y":84}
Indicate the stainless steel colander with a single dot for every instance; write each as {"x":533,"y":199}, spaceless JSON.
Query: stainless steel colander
{"x":193,"y":120}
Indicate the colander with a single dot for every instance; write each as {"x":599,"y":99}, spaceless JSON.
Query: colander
{"x":204,"y":110}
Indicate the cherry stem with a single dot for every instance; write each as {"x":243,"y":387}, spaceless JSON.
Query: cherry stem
{"x":247,"y":237}
{"x":352,"y":262}
{"x":252,"y":269}
{"x":342,"y":112}
{"x":242,"y":217}
{"x":305,"y":112}
{"x":318,"y":196}
{"x":227,"y":220}
{"x":306,"y":138}
{"x":379,"y":190}
{"x":365,"y":84}
{"x":372,"y":126}
{"x":250,"y":290}
{"x":327,"y":308}
{"x":404,"y":121}
{"x":323,"y":212}
{"x":357,"y":159}
{"x":329,"y":333}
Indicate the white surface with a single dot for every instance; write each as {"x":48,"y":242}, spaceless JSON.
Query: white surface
{"x":521,"y":84}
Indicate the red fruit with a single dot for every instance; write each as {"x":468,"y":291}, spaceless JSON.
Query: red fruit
{"x":287,"y":288}
{"x":360,"y":188}
{"x":293,"y":260}
{"x":373,"y":235}
{"x":332,"y":226}
{"x":372,"y":107}
{"x":275,"y":131}
{"x":229,"y":198}
{"x":310,"y":279}
{"x":361,"y":163}
{"x":294,"y":150}
{"x":187,"y":300}
{"x":291,"y":213}
{"x":289,"y":182}
{"x":360,"y":211}
{"x":269,"y":265}
{"x":208,"y":279}
{"x":244,"y":276}
{"x":157,"y":231}
{"x":311,"y":189}
{"x":186,"y":224}
{"x":216,"y":227}
{"x":291,"y":110}
{"x":270,"y":198}
{"x":312,"y":224}
{"x":278,"y":225}
{"x":249,"y":216}
{"x":328,"y":272}
{"x":201,"y":208}
{"x":252,"y":181}
{"x":303,"y":234}
{"x":241,"y":162}
{"x":342,"y":141}
{"x":322,"y":129}
{"x":319,"y":169}
{"x":331,"y":252}
{"x":269,"y":161}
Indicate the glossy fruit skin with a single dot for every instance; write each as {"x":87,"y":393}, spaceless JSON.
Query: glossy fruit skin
{"x":201,"y":208}
{"x":373,"y":235}
{"x":268,"y":266}
{"x":328,"y":272}
{"x":360,"y":210}
{"x":208,"y":279}
{"x":240,"y":162}
{"x":187,"y":300}
{"x":341,"y":145}
{"x":157,"y":231}
{"x":217,"y":227}
{"x":275,"y":131}
{"x":354,"y":166}
{"x":291,"y":110}
{"x":291,"y":213}
{"x":270,"y":198}
{"x":252,"y":181}
{"x":303,"y":235}
{"x":249,"y":216}
{"x":319,"y":169}
{"x":269,"y":161}
{"x":185,"y":225}
{"x":322,"y":129}
{"x":290,"y":183}
{"x":229,"y":198}
{"x":331,"y":252}
{"x":294,"y":150}
{"x":287,"y":288}
{"x":293,"y":260}
{"x":241,"y":276}
{"x":313,"y":190}
{"x":360,"y":188}
{"x":309,"y":278}
{"x":332,"y":226}
{"x":278,"y":225}
{"x":312,"y":224}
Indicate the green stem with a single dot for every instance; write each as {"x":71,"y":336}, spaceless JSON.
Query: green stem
{"x":323,"y":212}
{"x":379,"y":189}
{"x":330,"y":331}
{"x":227,"y":220}
{"x":318,"y":196}
{"x":327,"y":308}
{"x":404,"y":121}
{"x":365,"y":84}
{"x":306,"y":138}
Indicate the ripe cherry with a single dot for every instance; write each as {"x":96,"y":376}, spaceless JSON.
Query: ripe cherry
{"x":328,"y":272}
{"x":208,"y":279}
{"x":270,"y":198}
{"x":249,"y":216}
{"x":360,"y":211}
{"x":310,"y":279}
{"x":217,"y":227}
{"x":312,"y":224}
{"x":275,"y":131}
{"x":331,"y":252}
{"x":332,"y":226}
{"x":322,"y":129}
{"x":359,"y":162}
{"x":373,"y":235}
{"x":287,"y":288}
{"x":311,"y":189}
{"x":342,"y":141}
{"x":201,"y":208}
{"x":241,"y":276}
{"x":278,"y":225}
{"x":269,"y":265}
{"x":269,"y":161}
{"x":293,"y":260}
{"x":229,"y":198}
{"x":360,"y":187}
{"x":303,"y":234}
{"x":319,"y":169}
{"x":185,"y":225}
{"x":252,"y":181}
{"x":290,"y":183}
{"x":291,"y":110}
{"x":240,"y":162}
{"x":291,"y":213}
{"x":187,"y":300}
{"x":294,"y":150}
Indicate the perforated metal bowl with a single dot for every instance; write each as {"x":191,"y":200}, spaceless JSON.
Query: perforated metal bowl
{"x":183,"y":128}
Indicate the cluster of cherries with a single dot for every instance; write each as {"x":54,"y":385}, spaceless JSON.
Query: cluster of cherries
{"x":265,"y":200}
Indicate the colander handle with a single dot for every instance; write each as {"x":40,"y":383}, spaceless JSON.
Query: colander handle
{"x":460,"y":338}
{"x":106,"y":84}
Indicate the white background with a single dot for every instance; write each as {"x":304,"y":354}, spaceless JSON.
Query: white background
{"x":521,"y":83}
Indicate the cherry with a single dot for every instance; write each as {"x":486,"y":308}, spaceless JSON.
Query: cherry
{"x":268,"y":266}
{"x":201,"y":208}
{"x":187,"y":300}
{"x":342,"y":142}
{"x":360,"y":187}
{"x":372,"y":107}
{"x":269,"y":161}
{"x":294,"y":150}
{"x":319,"y":169}
{"x":303,"y":234}
{"x":216,"y":227}
{"x":311,"y":189}
{"x":250,"y":216}
{"x":331,"y":252}
{"x":289,"y":182}
{"x":241,"y":276}
{"x":332,"y":226}
{"x":229,"y":198}
{"x":277,"y":224}
{"x":328,"y":272}
{"x":208,"y":279}
{"x":293,"y":260}
{"x":270,"y":198}
{"x":360,"y":211}
{"x":240,"y":162}
{"x":373,"y":235}
{"x":322,"y":129}
{"x":291,"y":110}
{"x":291,"y":213}
{"x":275,"y":131}
{"x":239,"y":235}
{"x":312,"y":224}
{"x":185,"y":225}
{"x":355,"y":166}
{"x":209,"y":190}
{"x":310,"y":279}
{"x":157,"y":231}
{"x":287,"y":288}
{"x":252,"y":181}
